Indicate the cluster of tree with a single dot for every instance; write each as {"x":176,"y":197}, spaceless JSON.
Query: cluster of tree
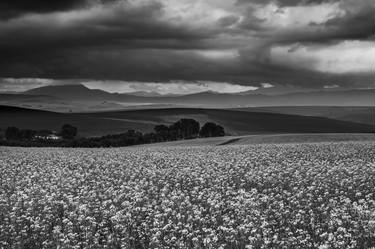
{"x":182,"y":129}
{"x":211,"y":130}
{"x":187,"y":129}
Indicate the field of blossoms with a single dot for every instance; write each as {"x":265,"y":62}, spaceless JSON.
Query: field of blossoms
{"x":318,"y":195}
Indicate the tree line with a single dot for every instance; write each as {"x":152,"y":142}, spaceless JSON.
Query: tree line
{"x":68,"y":135}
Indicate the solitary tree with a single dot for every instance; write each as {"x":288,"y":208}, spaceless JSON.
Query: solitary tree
{"x":211,"y":130}
{"x":68,"y":131}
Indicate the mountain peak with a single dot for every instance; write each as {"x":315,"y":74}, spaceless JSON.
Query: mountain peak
{"x":71,"y":91}
{"x":49,"y":88}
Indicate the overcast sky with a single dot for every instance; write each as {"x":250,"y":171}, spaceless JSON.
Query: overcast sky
{"x":303,"y":43}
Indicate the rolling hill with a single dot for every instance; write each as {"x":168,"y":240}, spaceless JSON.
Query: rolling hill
{"x":235,"y":122}
{"x":365,"y":114}
{"x":88,"y":126}
{"x":239,"y":122}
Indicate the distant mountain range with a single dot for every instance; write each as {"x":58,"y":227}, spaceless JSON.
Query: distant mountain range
{"x":97,"y":112}
{"x":356,"y":97}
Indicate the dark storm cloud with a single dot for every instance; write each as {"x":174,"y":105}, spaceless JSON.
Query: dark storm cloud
{"x":107,"y":35}
{"x":162,"y":40}
{"x":284,"y":3}
{"x":129,"y":64}
{"x":13,"y":8}
{"x":103,"y":27}
{"x":354,"y":25}
{"x":357,"y":21}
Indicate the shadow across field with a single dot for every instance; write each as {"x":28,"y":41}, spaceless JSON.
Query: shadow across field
{"x":230,"y":141}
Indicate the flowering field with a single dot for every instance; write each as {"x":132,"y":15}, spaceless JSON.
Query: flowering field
{"x":258,"y":196}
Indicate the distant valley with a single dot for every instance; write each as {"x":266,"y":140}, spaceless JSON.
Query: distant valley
{"x":78,"y":98}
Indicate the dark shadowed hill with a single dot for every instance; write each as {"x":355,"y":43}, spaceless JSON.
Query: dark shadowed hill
{"x":87,"y":126}
{"x":356,"y":114}
{"x":235,"y":122}
{"x":239,"y":122}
